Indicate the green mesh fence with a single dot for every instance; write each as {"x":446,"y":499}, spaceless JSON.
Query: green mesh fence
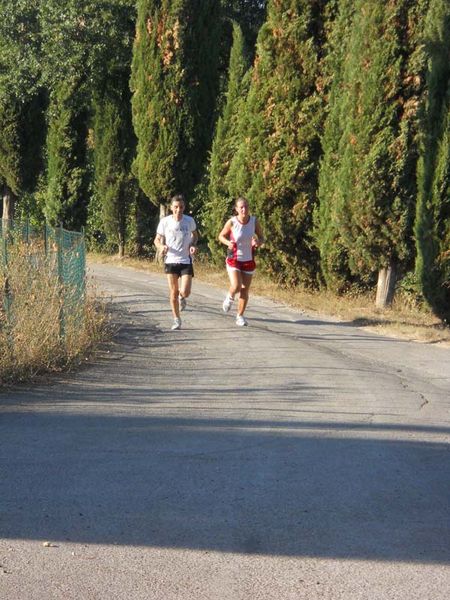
{"x":63,"y":252}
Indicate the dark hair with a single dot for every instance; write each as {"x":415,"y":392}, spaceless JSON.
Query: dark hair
{"x":240,"y":199}
{"x":178,"y":198}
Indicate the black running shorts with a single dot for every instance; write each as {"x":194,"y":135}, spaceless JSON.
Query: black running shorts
{"x":179,"y":269}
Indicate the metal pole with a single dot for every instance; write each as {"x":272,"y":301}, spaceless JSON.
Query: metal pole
{"x":6,"y":289}
{"x":59,"y":238}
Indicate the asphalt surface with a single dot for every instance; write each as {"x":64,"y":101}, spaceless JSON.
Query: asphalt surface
{"x":295,"y":458}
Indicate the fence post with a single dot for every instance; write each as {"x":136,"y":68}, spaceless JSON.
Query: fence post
{"x":6,"y":290}
{"x":59,"y":245}
{"x":45,"y":240}
{"x":83,"y":265}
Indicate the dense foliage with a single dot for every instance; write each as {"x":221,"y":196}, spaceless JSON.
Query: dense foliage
{"x":218,"y":204}
{"x":174,"y":81}
{"x":432,"y":224}
{"x":370,"y":142}
{"x":113,"y":141}
{"x":19,"y":97}
{"x":276,"y":165}
{"x":332,"y":116}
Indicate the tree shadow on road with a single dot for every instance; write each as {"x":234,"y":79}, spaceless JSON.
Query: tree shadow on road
{"x":230,"y":485}
{"x":115,"y":457}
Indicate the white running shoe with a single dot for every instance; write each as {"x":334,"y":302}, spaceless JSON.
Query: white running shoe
{"x":240,"y":321}
{"x":227,"y":303}
{"x":176,"y":324}
{"x":182,"y":302}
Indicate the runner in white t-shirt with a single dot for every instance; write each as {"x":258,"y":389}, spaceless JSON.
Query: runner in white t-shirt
{"x":176,"y":239}
{"x":241,"y":234}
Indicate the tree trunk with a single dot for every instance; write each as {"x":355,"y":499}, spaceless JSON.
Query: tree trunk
{"x":121,"y":246}
{"x":387,"y":278}
{"x":8,"y":203}
{"x":162,"y":211}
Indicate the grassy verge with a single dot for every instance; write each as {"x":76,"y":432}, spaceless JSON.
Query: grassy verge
{"x":403,"y":319}
{"x":30,"y":330}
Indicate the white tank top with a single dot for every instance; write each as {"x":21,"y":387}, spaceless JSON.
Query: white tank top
{"x":242,"y":235}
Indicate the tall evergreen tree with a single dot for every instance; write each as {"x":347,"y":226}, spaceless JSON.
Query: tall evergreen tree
{"x":248,"y":14}
{"x":10,"y":158}
{"x":432,"y":224}
{"x":333,"y":255}
{"x":22,"y":126}
{"x":67,"y":176}
{"x":225,"y":144}
{"x":374,"y":187}
{"x":69,"y":35}
{"x":113,"y":139}
{"x":174,"y":82}
{"x":276,"y":164}
{"x":112,"y":164}
{"x":74,"y":34}
{"x":19,"y":81}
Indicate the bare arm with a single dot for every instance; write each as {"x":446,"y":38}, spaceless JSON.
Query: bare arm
{"x":225,"y":234}
{"x":160,"y":243}
{"x":260,"y":235}
{"x":194,"y":240}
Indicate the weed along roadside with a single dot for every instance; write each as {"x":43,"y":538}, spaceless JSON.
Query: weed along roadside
{"x":404,"y":319}
{"x":48,"y":320}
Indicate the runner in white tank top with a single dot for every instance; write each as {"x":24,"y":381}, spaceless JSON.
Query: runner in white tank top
{"x":241,"y":234}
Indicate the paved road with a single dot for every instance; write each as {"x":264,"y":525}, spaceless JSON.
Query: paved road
{"x":293,"y":459}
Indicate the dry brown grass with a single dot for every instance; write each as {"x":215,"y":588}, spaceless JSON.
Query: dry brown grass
{"x":31,"y":340}
{"x":403,"y":319}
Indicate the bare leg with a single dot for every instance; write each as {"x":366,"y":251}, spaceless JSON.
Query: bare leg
{"x":235,"y":282}
{"x":246,"y":281}
{"x":186,"y":285}
{"x":173,"y":295}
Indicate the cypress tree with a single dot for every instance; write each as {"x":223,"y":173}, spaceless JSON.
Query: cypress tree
{"x":10,"y":159}
{"x":248,"y":14}
{"x":69,"y":33}
{"x":19,"y":87}
{"x":225,"y":145}
{"x":276,"y":164}
{"x":333,"y":255}
{"x":375,"y":189}
{"x":75,"y":34}
{"x":432,"y":222}
{"x":67,"y":176}
{"x":112,"y":174}
{"x":21,"y":145}
{"x":113,"y":139}
{"x":174,"y":82}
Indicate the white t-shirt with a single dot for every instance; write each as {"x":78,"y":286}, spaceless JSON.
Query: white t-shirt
{"x":178,"y":238}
